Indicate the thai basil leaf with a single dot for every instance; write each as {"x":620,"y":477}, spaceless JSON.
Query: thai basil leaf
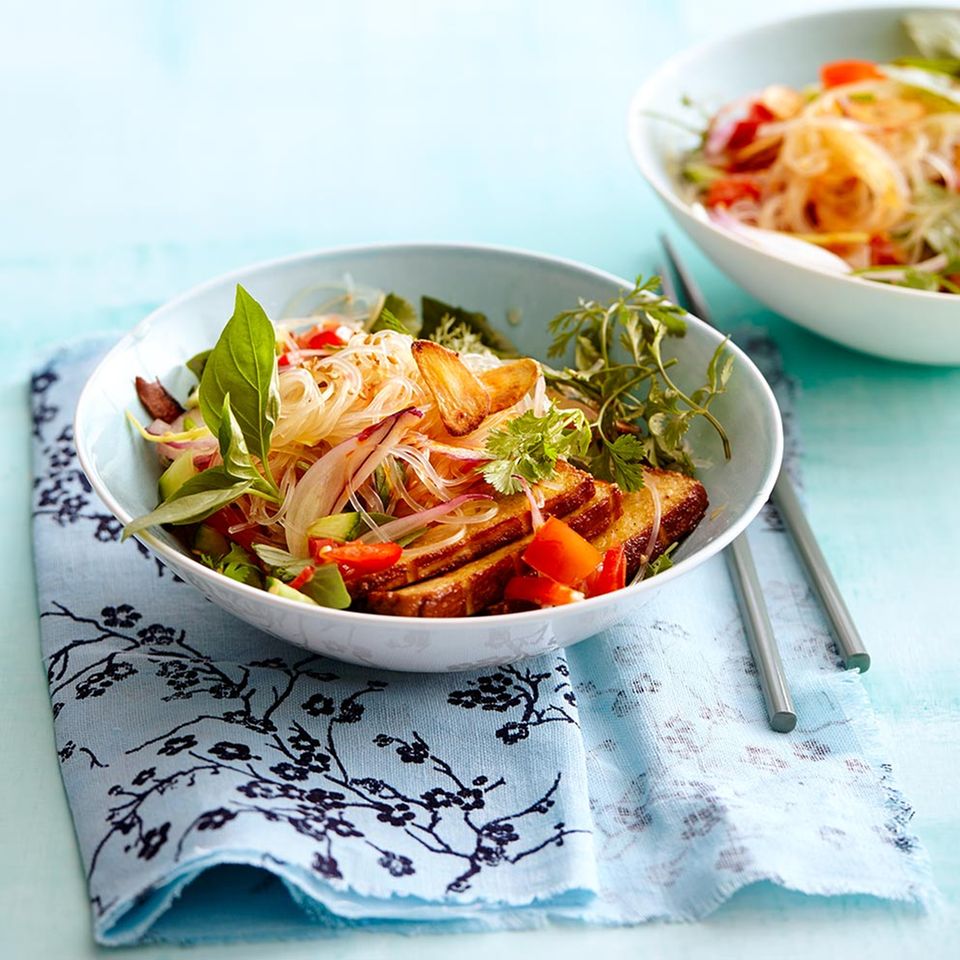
{"x":947,"y":65}
{"x":237,"y":461}
{"x":196,"y":363}
{"x":243,"y":364}
{"x":200,"y":496}
{"x":327,"y":588}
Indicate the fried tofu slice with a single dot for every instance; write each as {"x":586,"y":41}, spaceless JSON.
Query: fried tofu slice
{"x":567,"y":490}
{"x":609,"y":519}
{"x":683,"y":502}
{"x":475,"y":585}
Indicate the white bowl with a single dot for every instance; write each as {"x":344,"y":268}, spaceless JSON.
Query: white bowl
{"x":892,"y":322}
{"x":124,"y":472}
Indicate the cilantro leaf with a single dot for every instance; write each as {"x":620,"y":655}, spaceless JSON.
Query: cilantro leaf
{"x":240,"y":566}
{"x":627,"y":456}
{"x":530,"y":446}
{"x":621,"y":376}
{"x":663,"y":562}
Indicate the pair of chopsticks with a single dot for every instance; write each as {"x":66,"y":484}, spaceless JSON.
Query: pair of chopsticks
{"x":760,"y":635}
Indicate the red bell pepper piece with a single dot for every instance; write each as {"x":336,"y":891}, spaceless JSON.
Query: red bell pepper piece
{"x":885,"y":252}
{"x":839,"y":72}
{"x":304,"y":576}
{"x":559,"y":552}
{"x":230,"y":516}
{"x":745,"y":131}
{"x":541,"y":591}
{"x":727,"y":191}
{"x":319,"y":339}
{"x":355,"y":557}
{"x":611,"y":574}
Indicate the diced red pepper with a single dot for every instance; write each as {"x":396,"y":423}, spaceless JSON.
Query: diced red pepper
{"x":726,"y":192}
{"x":885,"y":252}
{"x":355,"y":557}
{"x":559,"y":552}
{"x":611,"y":574}
{"x":839,"y":72}
{"x":745,"y":131}
{"x":319,"y":339}
{"x":304,"y":576}
{"x":231,"y":516}
{"x":540,"y":590}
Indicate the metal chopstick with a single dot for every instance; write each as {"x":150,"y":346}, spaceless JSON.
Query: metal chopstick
{"x":852,"y":650}
{"x":759,"y":631}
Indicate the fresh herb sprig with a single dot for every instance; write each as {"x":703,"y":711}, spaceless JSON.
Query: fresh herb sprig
{"x":457,"y":336}
{"x":240,"y":400}
{"x":528,"y":447}
{"x":637,"y":414}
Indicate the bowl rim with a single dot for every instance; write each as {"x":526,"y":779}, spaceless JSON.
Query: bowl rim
{"x":429,"y":624}
{"x":691,"y":54}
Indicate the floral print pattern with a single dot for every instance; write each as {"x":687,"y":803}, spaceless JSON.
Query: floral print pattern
{"x":631,"y":778}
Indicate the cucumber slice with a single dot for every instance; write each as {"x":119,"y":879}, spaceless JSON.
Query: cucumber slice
{"x":338,"y":526}
{"x":209,"y":542}
{"x":279,"y":589}
{"x":177,"y":474}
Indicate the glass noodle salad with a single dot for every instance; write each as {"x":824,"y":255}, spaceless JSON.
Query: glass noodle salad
{"x":864,"y":164}
{"x":370,"y":445}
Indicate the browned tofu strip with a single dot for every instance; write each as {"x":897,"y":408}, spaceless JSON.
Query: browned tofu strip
{"x":568,"y":489}
{"x":477,"y":584}
{"x":683,"y":502}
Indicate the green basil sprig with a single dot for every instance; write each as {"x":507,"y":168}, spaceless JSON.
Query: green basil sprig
{"x":240,"y":402}
{"x":243,"y":365}
{"x":200,"y":496}
{"x":237,"y":461}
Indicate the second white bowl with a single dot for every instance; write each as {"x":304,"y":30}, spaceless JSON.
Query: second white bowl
{"x":893,"y":322}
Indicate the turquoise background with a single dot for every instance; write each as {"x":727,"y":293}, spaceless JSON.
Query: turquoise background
{"x":147,"y":146}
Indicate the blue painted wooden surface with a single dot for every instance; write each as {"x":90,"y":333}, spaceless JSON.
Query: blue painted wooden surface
{"x":148,"y":146}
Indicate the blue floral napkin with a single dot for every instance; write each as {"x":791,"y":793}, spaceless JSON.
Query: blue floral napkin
{"x":226,"y":785}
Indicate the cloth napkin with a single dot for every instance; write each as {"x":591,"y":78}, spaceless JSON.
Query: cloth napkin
{"x":224,"y":784}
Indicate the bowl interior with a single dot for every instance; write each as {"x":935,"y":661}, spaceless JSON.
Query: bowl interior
{"x":712,"y":74}
{"x":530,"y":289}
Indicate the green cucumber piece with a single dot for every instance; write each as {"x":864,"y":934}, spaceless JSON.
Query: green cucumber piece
{"x":338,"y":526}
{"x":209,"y":542}
{"x":279,"y":589}
{"x":177,"y":474}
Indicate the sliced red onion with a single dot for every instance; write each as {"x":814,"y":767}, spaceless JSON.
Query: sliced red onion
{"x":326,"y":486}
{"x":723,"y":125}
{"x":171,"y":449}
{"x":399,"y":528}
{"x":654,"y":529}
{"x":536,"y":516}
